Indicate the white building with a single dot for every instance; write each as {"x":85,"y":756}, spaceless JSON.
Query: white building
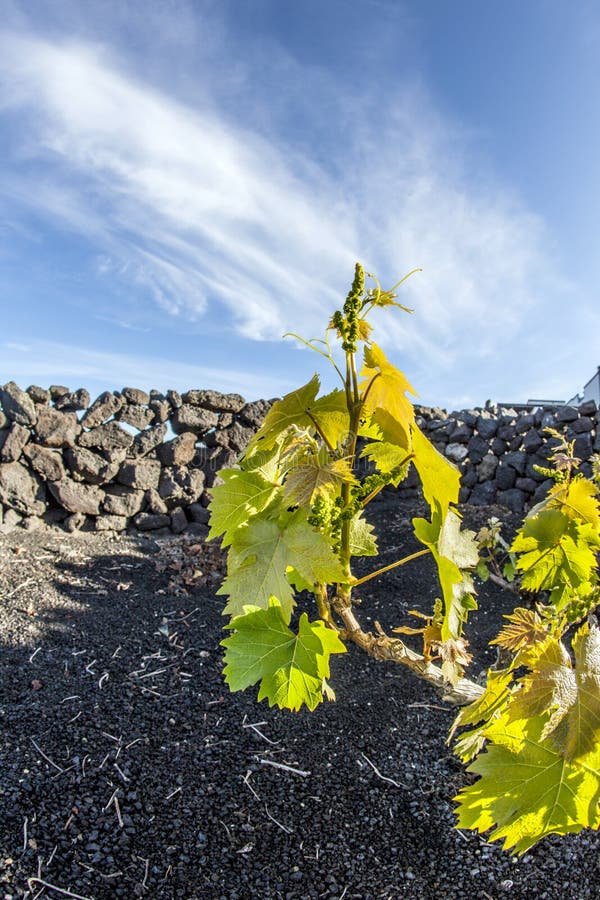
{"x":591,"y":390}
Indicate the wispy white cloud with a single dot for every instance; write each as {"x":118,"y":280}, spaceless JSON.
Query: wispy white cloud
{"x":98,"y":370}
{"x":210,"y":217}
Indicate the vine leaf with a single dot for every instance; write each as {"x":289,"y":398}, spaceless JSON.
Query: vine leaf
{"x":363,"y":541}
{"x":479,"y":713}
{"x":388,"y":458}
{"x":577,"y":500}
{"x":290,"y":410}
{"x":242,"y":495}
{"x":525,"y":628}
{"x":527,"y":789}
{"x":292,"y":669}
{"x":301,"y":409}
{"x":554,"y":550}
{"x":439,"y":478}
{"x":452,"y":550}
{"x":387,"y":388}
{"x":570,"y":695}
{"x":264,"y":550}
{"x":316,"y":476}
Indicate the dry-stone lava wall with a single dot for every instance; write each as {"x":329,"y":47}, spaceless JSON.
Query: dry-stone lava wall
{"x":115,"y":463}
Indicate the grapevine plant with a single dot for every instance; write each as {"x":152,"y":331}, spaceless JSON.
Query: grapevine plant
{"x":292,"y":515}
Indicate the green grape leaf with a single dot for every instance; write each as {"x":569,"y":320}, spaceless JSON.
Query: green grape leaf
{"x":385,"y":388}
{"x":439,"y":477}
{"x":385,"y":456}
{"x":577,"y":500}
{"x":554,"y":550}
{"x":527,"y":789}
{"x":331,"y":413}
{"x":489,"y":705}
{"x":570,"y":695}
{"x":242,"y":495}
{"x":452,"y":550}
{"x":301,"y":409}
{"x":265,"y":463}
{"x":292,"y":669}
{"x":264,"y":550}
{"x":316,"y":476}
{"x":363,"y":541}
{"x":290,"y":410}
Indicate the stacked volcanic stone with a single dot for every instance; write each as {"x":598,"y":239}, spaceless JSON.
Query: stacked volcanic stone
{"x":128,"y":460}
{"x":133,"y":460}
{"x":497,"y":449}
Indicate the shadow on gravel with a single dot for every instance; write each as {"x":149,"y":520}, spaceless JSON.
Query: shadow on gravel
{"x":128,"y":770}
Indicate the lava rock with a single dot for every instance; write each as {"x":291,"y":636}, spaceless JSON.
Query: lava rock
{"x":77,"y":497}
{"x":103,"y":408}
{"x":140,"y":473}
{"x":14,"y":442}
{"x":56,"y":429}
{"x":106,"y":437}
{"x":47,"y":463}
{"x":18,"y":406}
{"x":193,"y":418}
{"x":214,"y":400}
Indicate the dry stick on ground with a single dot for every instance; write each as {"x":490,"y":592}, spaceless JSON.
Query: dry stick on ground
{"x":384,"y":647}
{"x":53,"y":887}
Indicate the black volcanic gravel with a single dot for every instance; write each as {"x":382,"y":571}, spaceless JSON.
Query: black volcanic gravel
{"x":127,"y":769}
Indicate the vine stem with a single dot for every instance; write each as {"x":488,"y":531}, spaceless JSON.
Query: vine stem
{"x":383,"y":647}
{"x":320,"y":431}
{"x":394,"y":565}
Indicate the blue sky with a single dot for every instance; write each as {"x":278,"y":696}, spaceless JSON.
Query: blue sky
{"x":182,"y":182}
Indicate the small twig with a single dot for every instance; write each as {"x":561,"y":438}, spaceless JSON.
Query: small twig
{"x":47,"y":758}
{"x":25,"y":834}
{"x":34,"y":654}
{"x":273,"y":819}
{"x":18,"y":588}
{"x":121,"y":772}
{"x":53,"y":887}
{"x":254,"y":727}
{"x":397,"y":784}
{"x":172,"y":794}
{"x":146,"y":870}
{"x":276,"y":765}
{"x":118,"y":811}
{"x":427,"y":706}
{"x":246,"y":781}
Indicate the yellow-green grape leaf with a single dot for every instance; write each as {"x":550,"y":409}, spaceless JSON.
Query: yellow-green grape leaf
{"x":242,"y":495}
{"x":363,"y":541}
{"x":316,"y":476}
{"x":577,"y":500}
{"x":292,"y":669}
{"x":491,"y":703}
{"x":452,"y":550}
{"x":391,"y":430}
{"x":439,"y":477}
{"x":527,"y":790}
{"x":385,"y":387}
{"x":331,"y":413}
{"x":525,"y":628}
{"x":367,"y":428}
{"x":290,"y":410}
{"x":264,"y":550}
{"x":385,"y":456}
{"x":570,"y":694}
{"x":553,"y":550}
{"x":265,"y":463}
